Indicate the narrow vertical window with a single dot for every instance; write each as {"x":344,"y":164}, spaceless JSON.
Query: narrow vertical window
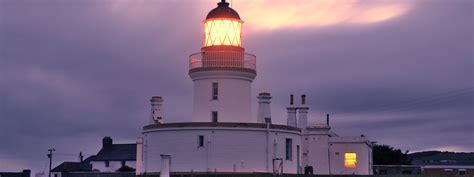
{"x":201,"y":141}
{"x":268,"y":120}
{"x":107,"y":163}
{"x":289,"y":148}
{"x":350,"y":159}
{"x":214,"y":116}
{"x":215,"y":91}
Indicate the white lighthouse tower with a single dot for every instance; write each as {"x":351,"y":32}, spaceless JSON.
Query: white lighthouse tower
{"x":222,"y":72}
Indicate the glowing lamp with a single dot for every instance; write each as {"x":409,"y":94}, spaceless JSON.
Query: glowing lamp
{"x":222,"y":27}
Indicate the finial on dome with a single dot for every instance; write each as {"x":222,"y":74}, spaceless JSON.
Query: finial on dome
{"x":223,"y":11}
{"x":223,"y":3}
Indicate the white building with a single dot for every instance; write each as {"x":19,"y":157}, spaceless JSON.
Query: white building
{"x":113,"y":157}
{"x":223,"y":137}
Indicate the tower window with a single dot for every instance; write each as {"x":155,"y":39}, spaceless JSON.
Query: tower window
{"x":214,"y":116}
{"x":215,"y":91}
{"x":201,"y":141}
{"x":350,"y":159}
{"x":289,"y":148}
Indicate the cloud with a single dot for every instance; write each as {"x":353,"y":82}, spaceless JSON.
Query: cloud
{"x":270,"y":15}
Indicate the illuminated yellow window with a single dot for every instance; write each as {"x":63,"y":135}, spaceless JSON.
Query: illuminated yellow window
{"x":350,"y":159}
{"x":222,"y":32}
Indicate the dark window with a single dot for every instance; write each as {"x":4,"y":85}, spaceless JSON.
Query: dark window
{"x":268,"y":120}
{"x":55,"y":175}
{"x":201,"y":141}
{"x":107,"y":164}
{"x":462,"y":172}
{"x":215,"y":91}
{"x":289,"y":149}
{"x":298,"y":156}
{"x":123,"y":163}
{"x":214,"y":116}
{"x":406,"y":172}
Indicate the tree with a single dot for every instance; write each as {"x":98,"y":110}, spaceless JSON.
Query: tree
{"x":387,"y":155}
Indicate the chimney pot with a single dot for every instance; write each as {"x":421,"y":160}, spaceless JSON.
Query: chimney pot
{"x":156,"y":114}
{"x":327,"y":119}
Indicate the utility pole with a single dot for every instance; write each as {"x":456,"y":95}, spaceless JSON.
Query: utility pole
{"x":50,"y":156}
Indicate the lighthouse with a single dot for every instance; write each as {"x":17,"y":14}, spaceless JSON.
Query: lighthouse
{"x":223,"y":137}
{"x":222,"y":73}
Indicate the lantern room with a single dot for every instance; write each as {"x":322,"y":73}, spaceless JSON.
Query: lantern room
{"x":222,"y":27}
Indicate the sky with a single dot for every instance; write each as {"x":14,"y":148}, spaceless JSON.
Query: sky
{"x":74,"y":71}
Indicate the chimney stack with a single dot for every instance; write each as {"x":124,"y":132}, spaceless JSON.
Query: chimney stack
{"x":107,"y":142}
{"x":291,"y":110}
{"x":264,"y":114}
{"x":139,"y":158}
{"x":156,"y":116}
{"x":303,"y":113}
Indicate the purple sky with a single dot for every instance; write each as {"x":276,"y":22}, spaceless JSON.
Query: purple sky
{"x":74,"y":71}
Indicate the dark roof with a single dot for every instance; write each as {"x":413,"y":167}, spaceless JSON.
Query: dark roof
{"x":442,"y":158}
{"x":223,"y":11}
{"x":117,"y":152}
{"x":74,"y":166}
{"x":24,"y":173}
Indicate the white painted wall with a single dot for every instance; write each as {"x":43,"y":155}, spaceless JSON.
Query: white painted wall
{"x":56,"y":174}
{"x":113,"y":165}
{"x":315,"y":148}
{"x":234,"y":98}
{"x":324,"y":151}
{"x":340,"y":145}
{"x":246,"y":149}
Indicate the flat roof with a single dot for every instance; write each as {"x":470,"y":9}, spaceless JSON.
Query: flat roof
{"x":220,"y":124}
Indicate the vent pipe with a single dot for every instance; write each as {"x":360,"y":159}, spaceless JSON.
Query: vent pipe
{"x":327,"y":119}
{"x":81,"y":157}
